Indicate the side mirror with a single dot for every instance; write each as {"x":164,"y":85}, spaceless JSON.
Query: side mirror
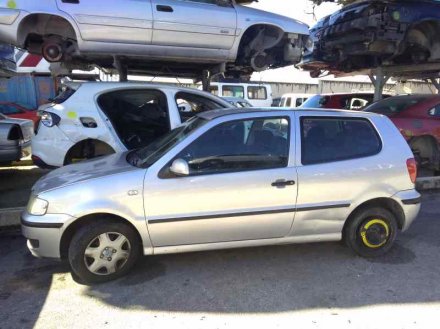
{"x":180,"y":167}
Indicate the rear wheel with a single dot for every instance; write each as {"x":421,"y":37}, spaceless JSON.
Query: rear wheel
{"x":102,"y":252}
{"x":371,"y":232}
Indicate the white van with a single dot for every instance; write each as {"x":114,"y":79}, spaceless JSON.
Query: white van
{"x":293,"y":100}
{"x":259,"y":95}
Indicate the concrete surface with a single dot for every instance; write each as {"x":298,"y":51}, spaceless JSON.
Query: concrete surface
{"x":297,"y":286}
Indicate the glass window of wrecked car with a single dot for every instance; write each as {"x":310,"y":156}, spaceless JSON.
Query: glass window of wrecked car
{"x":146,"y":156}
{"x":233,"y":91}
{"x":251,"y":144}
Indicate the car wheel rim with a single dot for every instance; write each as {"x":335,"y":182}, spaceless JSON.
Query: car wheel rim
{"x":107,"y":253}
{"x":375,"y":233}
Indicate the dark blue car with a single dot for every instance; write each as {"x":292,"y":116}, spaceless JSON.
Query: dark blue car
{"x":369,"y":34}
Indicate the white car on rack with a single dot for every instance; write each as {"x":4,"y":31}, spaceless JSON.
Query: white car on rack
{"x":93,"y":119}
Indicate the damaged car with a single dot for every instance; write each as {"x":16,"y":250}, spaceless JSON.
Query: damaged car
{"x":92,"y":119}
{"x":369,"y":34}
{"x":418,"y":119}
{"x":15,"y":139}
{"x":167,"y":37}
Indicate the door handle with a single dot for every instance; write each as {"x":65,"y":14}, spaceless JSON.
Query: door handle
{"x":283,"y":183}
{"x":165,"y":9}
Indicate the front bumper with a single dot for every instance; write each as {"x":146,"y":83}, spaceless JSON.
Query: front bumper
{"x":410,"y":201}
{"x":50,"y":146}
{"x":43,"y":233}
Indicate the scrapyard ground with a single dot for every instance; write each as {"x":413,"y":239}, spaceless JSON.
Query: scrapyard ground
{"x":293,"y":286}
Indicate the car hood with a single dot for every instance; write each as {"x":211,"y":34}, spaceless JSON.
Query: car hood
{"x":84,"y":171}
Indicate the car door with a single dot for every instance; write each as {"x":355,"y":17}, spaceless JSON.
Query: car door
{"x":194,"y":23}
{"x":126,"y":21}
{"x":241,"y":185}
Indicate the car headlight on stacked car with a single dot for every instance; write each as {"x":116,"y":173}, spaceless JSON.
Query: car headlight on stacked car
{"x":37,"y":206}
{"x":50,"y":119}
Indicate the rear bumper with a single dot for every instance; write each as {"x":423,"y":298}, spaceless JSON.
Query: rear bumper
{"x":43,"y":233}
{"x":410,"y":201}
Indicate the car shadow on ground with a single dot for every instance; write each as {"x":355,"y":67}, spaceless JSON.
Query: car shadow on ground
{"x":240,"y":281}
{"x":285,"y":278}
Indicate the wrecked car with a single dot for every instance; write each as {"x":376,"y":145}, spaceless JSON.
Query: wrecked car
{"x":369,"y":34}
{"x":418,"y":119}
{"x":92,"y":119}
{"x":167,"y":37}
{"x":15,"y":139}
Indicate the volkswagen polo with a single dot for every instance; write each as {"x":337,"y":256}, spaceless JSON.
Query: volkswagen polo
{"x":228,"y":179}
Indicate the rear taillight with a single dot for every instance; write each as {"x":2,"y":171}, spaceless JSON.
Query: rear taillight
{"x":411,"y":164}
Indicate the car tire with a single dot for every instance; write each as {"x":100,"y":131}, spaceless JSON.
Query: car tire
{"x":371,"y":232}
{"x":103,"y":251}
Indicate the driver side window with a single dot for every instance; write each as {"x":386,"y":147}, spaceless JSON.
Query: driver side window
{"x":243,"y":145}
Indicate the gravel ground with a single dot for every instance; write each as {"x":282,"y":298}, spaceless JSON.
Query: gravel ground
{"x":297,"y":286}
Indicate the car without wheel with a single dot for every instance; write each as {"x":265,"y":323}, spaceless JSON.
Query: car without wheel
{"x":369,"y":34}
{"x":228,"y":179}
{"x":418,"y":119}
{"x":93,"y":119}
{"x":15,"y":139}
{"x":167,"y":37}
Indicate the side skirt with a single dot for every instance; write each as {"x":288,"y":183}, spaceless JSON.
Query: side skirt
{"x":247,"y":243}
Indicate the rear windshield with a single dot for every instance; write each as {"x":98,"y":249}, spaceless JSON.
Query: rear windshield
{"x":315,"y":102}
{"x":395,"y":105}
{"x":65,"y":94}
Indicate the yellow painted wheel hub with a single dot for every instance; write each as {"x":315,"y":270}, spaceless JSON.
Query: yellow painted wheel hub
{"x":375,"y":233}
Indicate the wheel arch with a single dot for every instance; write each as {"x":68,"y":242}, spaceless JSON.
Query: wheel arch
{"x":82,"y":142}
{"x":387,"y":203}
{"x":70,"y":231}
{"x":51,"y":23}
{"x":255,"y":26}
{"x":425,"y":26}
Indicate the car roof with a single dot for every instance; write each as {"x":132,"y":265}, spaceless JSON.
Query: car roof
{"x":214,"y":114}
{"x":103,"y":86}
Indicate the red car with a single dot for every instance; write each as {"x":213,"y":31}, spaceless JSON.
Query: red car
{"x":13,"y":110}
{"x":347,"y":101}
{"x":418,"y":119}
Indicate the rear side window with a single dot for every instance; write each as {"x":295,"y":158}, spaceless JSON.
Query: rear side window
{"x":255,"y":92}
{"x":64,"y":95}
{"x":9,"y":109}
{"x":233,"y":91}
{"x":336,"y":139}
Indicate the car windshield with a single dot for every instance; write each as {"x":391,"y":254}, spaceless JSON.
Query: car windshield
{"x":7,"y":109}
{"x":315,"y":102}
{"x":147,"y":156}
{"x":395,"y":105}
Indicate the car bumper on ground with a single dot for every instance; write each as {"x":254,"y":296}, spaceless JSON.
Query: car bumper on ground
{"x":43,"y":233}
{"x":410,"y":201}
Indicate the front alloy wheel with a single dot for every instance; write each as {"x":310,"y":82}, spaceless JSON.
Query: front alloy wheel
{"x":102,"y":251}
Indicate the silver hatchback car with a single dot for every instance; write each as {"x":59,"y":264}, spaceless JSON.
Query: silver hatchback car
{"x":228,"y":179}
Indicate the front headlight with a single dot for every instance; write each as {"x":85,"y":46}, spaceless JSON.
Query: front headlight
{"x":37,"y":206}
{"x":50,"y":119}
